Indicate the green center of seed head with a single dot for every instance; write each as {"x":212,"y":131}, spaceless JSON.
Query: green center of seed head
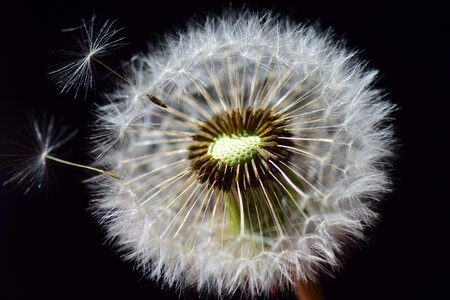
{"x":235,"y":149}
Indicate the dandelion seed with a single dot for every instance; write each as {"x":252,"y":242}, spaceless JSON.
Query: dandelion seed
{"x":30,"y":163}
{"x":262,"y":166}
{"x":95,"y":41}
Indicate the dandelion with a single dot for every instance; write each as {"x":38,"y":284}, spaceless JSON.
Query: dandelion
{"x":261,"y":168}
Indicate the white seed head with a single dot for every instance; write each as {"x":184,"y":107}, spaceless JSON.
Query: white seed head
{"x":264,"y":167}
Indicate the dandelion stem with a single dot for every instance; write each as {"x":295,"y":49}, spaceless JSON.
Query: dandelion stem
{"x":109,"y":173}
{"x":307,"y":292}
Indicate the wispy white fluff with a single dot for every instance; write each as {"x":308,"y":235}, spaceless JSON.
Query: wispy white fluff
{"x":29,"y":162}
{"x":176,"y":228}
{"x":95,"y":41}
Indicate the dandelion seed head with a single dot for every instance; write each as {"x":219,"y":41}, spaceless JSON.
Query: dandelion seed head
{"x":262,"y":169}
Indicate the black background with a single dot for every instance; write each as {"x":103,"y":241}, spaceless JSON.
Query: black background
{"x":51,"y":248}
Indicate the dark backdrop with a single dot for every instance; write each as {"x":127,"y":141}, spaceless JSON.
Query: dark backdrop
{"x":51,"y":248}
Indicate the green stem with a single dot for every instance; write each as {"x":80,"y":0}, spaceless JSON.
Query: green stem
{"x":233,"y":213}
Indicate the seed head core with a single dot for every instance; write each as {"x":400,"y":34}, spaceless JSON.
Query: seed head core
{"x":235,"y":149}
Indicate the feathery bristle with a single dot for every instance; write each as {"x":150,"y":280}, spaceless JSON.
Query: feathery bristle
{"x":95,"y":41}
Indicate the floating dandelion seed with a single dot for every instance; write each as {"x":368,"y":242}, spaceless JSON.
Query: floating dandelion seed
{"x":95,"y":42}
{"x":260,"y":169}
{"x":30,"y":161}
